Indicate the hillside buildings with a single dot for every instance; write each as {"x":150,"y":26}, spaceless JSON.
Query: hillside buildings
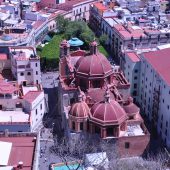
{"x":129,"y":28}
{"x":22,"y":100}
{"x":95,"y":99}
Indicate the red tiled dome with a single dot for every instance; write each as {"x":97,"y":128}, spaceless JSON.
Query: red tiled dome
{"x":80,"y":110}
{"x":95,"y":65}
{"x":108,"y":113}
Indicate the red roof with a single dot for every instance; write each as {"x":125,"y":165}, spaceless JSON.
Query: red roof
{"x":31,"y":96}
{"x":133,"y":56}
{"x":3,"y":56}
{"x":7,"y":88}
{"x":100,"y":6}
{"x":108,"y":113}
{"x":80,"y":109}
{"x":97,"y":95}
{"x":22,"y":150}
{"x":37,"y":24}
{"x":95,"y":65}
{"x":160,"y":61}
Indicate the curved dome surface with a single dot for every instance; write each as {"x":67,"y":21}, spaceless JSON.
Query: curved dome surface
{"x":95,"y":65}
{"x":110,"y":113}
{"x":80,"y":110}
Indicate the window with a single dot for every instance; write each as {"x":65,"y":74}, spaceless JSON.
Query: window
{"x":36,"y":120}
{"x":166,"y":123}
{"x":135,"y":78}
{"x":127,"y":145}
{"x":134,"y":93}
{"x":136,"y":71}
{"x":72,"y":100}
{"x":36,"y":72}
{"x":73,"y":125}
{"x":166,"y":132}
{"x":168,"y":107}
{"x":21,"y":74}
{"x":36,"y":64}
{"x":36,"y":112}
{"x":36,"y":81}
{"x":163,"y":100}
{"x":81,"y":125}
{"x":29,"y":73}
{"x":41,"y":106}
{"x":135,"y":85}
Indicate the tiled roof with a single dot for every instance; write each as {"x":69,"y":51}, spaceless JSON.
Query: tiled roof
{"x":7,"y":88}
{"x":31,"y":96}
{"x":3,"y":56}
{"x":22,"y":150}
{"x":100,"y":6}
{"x":133,"y":56}
{"x":160,"y":61}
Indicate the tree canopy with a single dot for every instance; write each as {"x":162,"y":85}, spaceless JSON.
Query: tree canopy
{"x":77,"y":29}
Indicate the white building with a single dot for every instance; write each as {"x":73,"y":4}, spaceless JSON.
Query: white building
{"x":21,"y":107}
{"x":152,"y":85}
{"x":25,"y":65}
{"x":131,"y":70}
{"x":22,"y":100}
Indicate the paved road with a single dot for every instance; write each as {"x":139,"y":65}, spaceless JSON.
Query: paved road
{"x":51,"y":121}
{"x":46,"y":157}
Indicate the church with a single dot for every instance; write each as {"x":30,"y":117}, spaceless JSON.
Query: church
{"x":95,"y":98}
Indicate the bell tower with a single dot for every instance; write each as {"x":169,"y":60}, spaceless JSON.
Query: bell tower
{"x":64,"y":49}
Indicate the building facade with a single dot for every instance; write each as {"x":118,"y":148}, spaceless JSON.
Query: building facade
{"x":152,"y":87}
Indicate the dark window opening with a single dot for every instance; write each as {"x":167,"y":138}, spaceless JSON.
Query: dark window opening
{"x":81,"y":126}
{"x":127,"y":145}
{"x":72,"y":100}
{"x":73,"y":125}
{"x":97,"y":130}
{"x":109,"y":131}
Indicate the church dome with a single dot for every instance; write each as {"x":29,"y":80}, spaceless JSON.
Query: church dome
{"x":108,"y":112}
{"x":80,"y":110}
{"x":93,"y":65}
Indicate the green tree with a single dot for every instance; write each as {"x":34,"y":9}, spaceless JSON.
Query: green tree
{"x":87,"y":36}
{"x":61,"y":23}
{"x":103,"y":39}
{"x":75,"y":29}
